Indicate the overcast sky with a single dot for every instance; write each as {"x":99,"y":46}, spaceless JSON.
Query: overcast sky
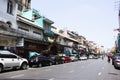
{"x":94,"y":19}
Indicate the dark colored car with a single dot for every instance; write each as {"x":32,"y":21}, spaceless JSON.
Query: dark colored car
{"x":57,"y":59}
{"x":66,"y":59}
{"x":40,"y":61}
{"x":116,"y":60}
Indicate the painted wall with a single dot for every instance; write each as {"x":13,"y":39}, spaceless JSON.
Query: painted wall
{"x":31,"y":30}
{"x":4,"y":16}
{"x":39,"y":22}
{"x":27,"y":14}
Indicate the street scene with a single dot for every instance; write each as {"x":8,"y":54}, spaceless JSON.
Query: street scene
{"x":78,"y":42}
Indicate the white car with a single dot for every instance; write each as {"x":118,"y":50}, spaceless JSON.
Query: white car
{"x":10,"y":60}
{"x":83,"y":57}
{"x":73,"y":58}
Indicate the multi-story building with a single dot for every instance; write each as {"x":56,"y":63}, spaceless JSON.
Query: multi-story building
{"x":68,"y":41}
{"x":23,"y":5}
{"x":39,"y":20}
{"x":36,"y":31}
{"x":8,"y":9}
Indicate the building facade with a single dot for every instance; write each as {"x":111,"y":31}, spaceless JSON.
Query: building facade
{"x":8,"y":9}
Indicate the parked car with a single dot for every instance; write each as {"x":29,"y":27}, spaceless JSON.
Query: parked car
{"x":66,"y":59}
{"x":57,"y":59}
{"x":116,"y":60}
{"x":95,"y":57}
{"x":10,"y":60}
{"x":40,"y":61}
{"x":73,"y":57}
{"x":83,"y":57}
{"x":90,"y":56}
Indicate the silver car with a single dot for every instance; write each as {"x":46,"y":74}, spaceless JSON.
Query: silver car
{"x":116,"y":62}
{"x":10,"y":60}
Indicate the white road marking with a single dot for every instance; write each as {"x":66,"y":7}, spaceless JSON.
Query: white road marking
{"x":71,"y":71}
{"x":16,"y":76}
{"x":99,"y":73}
{"x":52,"y":79}
{"x":48,"y":69}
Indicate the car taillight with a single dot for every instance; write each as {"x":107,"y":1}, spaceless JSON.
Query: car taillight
{"x":118,"y":61}
{"x":63,"y":58}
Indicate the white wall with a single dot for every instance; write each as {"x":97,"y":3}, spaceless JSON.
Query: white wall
{"x":4,"y":16}
{"x":31,"y":29}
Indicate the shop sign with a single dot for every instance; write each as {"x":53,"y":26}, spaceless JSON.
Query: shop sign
{"x":20,"y":42}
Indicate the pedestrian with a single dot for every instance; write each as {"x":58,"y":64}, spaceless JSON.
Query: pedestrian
{"x":109,"y":56}
{"x":102,"y":57}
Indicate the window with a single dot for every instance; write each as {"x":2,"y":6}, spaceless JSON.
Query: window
{"x":20,"y":7}
{"x":4,"y":56}
{"x":7,"y":56}
{"x":9,"y":7}
{"x":59,"y":39}
{"x":12,"y":56}
{"x":23,"y":29}
{"x":36,"y":32}
{"x":61,"y":31}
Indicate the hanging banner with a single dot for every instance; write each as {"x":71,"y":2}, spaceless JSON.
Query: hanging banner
{"x":20,"y":42}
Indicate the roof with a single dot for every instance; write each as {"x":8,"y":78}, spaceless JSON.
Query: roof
{"x":48,"y":20}
{"x":5,"y":52}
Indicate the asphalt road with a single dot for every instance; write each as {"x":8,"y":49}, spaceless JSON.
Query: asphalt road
{"x":93,"y":69}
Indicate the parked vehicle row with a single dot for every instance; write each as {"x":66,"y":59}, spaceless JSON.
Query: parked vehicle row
{"x":10,"y":60}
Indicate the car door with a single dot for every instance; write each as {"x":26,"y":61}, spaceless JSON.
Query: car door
{"x":15,"y":60}
{"x":7,"y":61}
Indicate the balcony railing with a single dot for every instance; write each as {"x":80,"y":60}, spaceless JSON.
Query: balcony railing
{"x":48,"y":32}
{"x":20,"y":33}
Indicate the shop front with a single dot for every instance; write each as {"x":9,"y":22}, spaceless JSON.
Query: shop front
{"x":31,"y":46}
{"x":8,"y":43}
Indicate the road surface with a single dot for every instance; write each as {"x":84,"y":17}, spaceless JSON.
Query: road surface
{"x":92,"y":69}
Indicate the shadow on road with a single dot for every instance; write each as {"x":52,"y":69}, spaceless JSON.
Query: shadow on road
{"x":113,"y":73}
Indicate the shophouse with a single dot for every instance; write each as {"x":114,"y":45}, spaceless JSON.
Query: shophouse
{"x":36,"y":30}
{"x":68,"y":42}
{"x":8,"y":9}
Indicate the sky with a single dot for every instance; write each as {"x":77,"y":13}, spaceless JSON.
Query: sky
{"x":93,"y":19}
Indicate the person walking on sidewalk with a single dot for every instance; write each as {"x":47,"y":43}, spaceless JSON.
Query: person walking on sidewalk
{"x":109,"y":57}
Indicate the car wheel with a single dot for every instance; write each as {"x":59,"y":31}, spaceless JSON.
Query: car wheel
{"x":39,"y":65}
{"x":24,"y":66}
{"x":50,"y":63}
{"x":56,"y":63}
{"x":30,"y":65}
{"x":115,"y":66}
{"x":1,"y":68}
{"x":62,"y":62}
{"x":112,"y":63}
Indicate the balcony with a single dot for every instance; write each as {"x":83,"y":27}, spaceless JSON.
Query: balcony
{"x":49,"y":32}
{"x":20,"y":33}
